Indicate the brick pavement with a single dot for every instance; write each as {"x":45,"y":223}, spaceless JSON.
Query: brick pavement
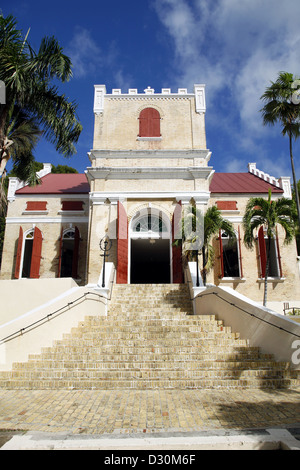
{"x":148,"y":411}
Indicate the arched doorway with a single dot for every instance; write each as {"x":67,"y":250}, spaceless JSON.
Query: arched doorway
{"x":150,"y":248}
{"x":28,"y":258}
{"x":68,"y":258}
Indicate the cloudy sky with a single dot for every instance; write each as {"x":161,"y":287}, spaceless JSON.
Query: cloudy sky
{"x":235,"y":47}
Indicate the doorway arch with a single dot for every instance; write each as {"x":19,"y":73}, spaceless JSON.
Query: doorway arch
{"x":150,"y":247}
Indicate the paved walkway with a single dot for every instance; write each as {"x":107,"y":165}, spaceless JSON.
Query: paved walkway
{"x":121,"y":412}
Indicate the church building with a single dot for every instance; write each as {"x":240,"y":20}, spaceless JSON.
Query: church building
{"x":149,"y":162}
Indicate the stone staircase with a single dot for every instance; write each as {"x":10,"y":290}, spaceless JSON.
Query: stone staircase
{"x":150,"y":340}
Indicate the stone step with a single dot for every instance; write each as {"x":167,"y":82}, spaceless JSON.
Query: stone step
{"x":136,"y":373}
{"x":166,"y":333}
{"x":150,"y":339}
{"x":206,"y":384}
{"x":41,"y":365}
{"x":155,"y":342}
{"x":149,"y":354}
{"x":141,"y":351}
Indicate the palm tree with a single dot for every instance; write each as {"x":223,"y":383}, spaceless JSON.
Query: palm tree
{"x":280,"y":107}
{"x":198,"y":234}
{"x":267,"y":213}
{"x":213,"y":224}
{"x":33,"y":106}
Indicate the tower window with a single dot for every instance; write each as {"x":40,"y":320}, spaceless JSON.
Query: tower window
{"x":149,"y":120}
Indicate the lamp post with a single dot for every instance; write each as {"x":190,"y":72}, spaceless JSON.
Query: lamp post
{"x":105,"y":246}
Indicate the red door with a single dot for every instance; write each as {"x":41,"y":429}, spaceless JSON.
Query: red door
{"x":75,"y":254}
{"x":177,"y":250}
{"x":122,"y":245}
{"x":149,"y":123}
{"x":19,"y":253}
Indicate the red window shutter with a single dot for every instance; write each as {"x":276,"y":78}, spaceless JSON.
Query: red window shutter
{"x":149,"y":123}
{"x":262,"y":251}
{"x":72,"y":205}
{"x":122,"y":245}
{"x":75,"y":254}
{"x":226,"y":205}
{"x":36,"y":254}
{"x":36,"y":205}
{"x":60,"y":248}
{"x":177,"y":250}
{"x":240,"y":252}
{"x":278,"y":254}
{"x":221,"y":254}
{"x":19,"y":253}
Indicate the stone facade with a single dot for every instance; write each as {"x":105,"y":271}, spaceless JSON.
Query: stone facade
{"x":141,"y":165}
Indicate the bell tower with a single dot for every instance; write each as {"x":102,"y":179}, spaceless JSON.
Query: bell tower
{"x":149,"y":159}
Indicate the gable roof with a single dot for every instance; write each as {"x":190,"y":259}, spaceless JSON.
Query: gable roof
{"x":69,"y":183}
{"x":241,"y":183}
{"x":77,"y":183}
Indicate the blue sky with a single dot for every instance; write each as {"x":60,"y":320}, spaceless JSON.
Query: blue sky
{"x":235,"y":47}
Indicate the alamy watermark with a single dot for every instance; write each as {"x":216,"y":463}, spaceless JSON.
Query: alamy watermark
{"x":296,"y":95}
{"x":296,"y":353}
{"x":2,"y":92}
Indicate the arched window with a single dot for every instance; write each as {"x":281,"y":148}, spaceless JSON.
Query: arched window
{"x":150,"y":223}
{"x":275,"y":261}
{"x":149,"y":123}
{"x":29,"y":250}
{"x":230,"y":256}
{"x":69,"y":250}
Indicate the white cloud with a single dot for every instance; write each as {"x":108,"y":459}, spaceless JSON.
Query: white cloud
{"x":235,"y":47}
{"x":84,"y":52}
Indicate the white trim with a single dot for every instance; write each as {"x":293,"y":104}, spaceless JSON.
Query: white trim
{"x":232,"y":279}
{"x":138,"y":173}
{"x":69,"y":213}
{"x":97,"y":197}
{"x":130,"y":154}
{"x":46,"y":220}
{"x":234,"y":219}
{"x":149,"y":138}
{"x":35,"y":212}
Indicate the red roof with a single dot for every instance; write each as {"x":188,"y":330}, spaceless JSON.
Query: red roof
{"x":74,"y":183}
{"x":240,"y":183}
{"x":69,"y":183}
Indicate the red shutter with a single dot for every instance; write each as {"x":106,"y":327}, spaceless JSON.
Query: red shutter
{"x":60,"y":248}
{"x":75,"y":254}
{"x":240,"y":252}
{"x":221,"y":254}
{"x":227,"y":205}
{"x":278,"y":254}
{"x":19,"y":253}
{"x":262,"y":251}
{"x":177,"y":250}
{"x":72,"y":205}
{"x":36,"y":254}
{"x":36,"y":205}
{"x":122,"y":245}
{"x":149,"y":123}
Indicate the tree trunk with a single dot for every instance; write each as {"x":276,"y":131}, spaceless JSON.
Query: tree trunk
{"x":294,"y":178}
{"x":267,"y":271}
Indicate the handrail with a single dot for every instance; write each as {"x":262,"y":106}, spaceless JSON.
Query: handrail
{"x":47,"y":317}
{"x":248,"y":313}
